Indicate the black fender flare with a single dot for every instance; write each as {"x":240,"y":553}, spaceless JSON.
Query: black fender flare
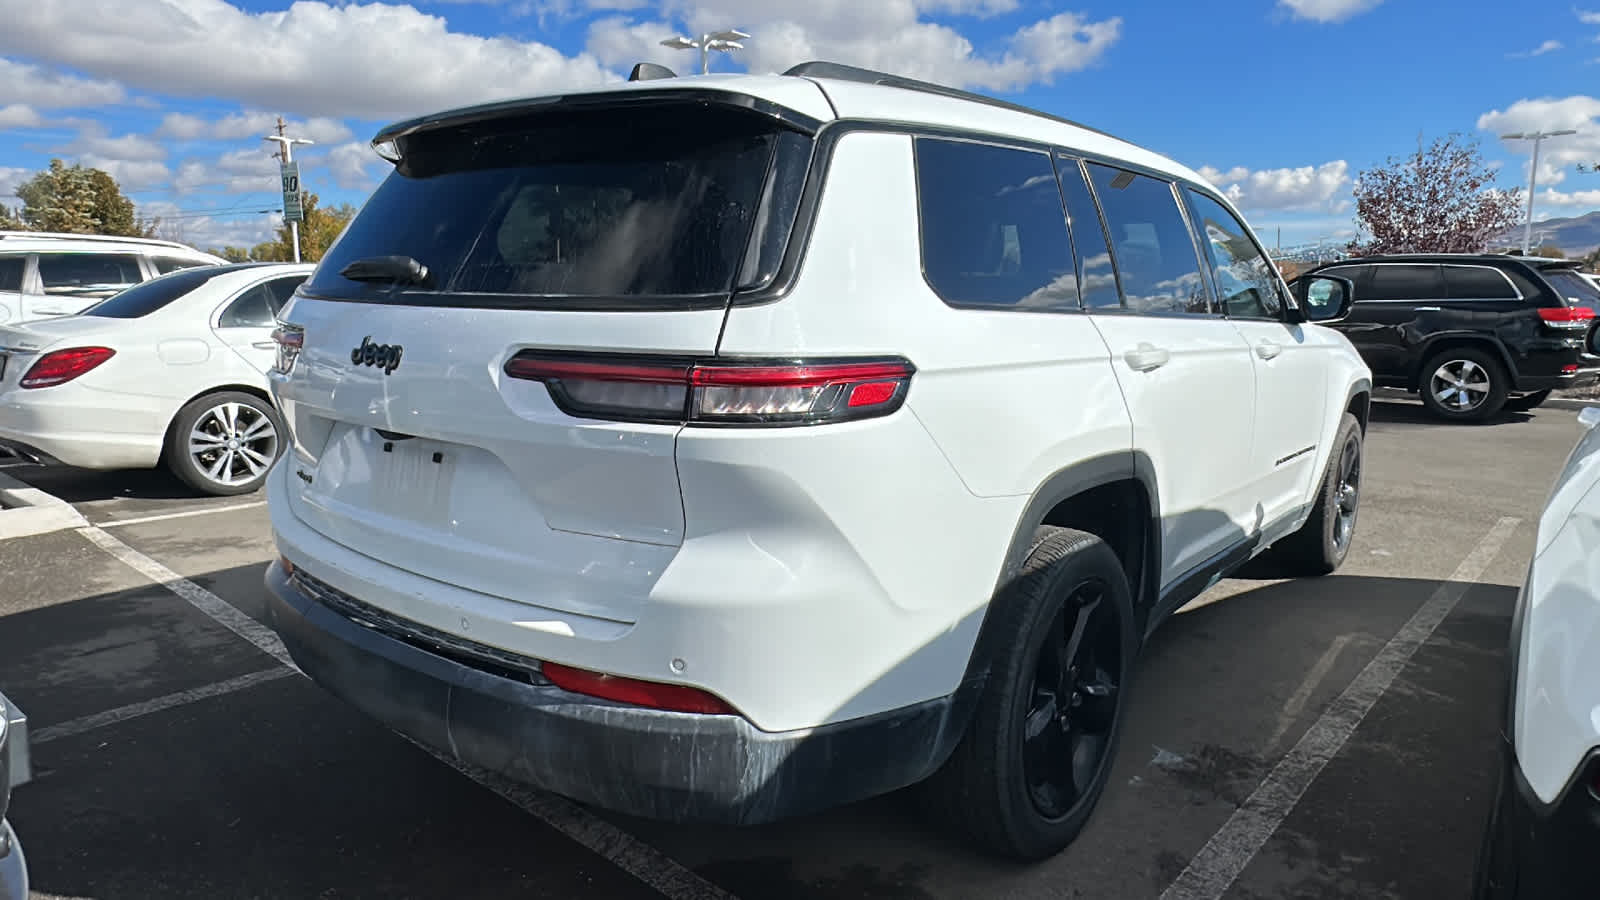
{"x":1425,"y":350}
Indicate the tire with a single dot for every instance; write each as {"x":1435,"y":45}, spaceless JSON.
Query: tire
{"x":1527,"y":402}
{"x":986,"y":788}
{"x":1323,"y":542}
{"x":1463,"y":384}
{"x":199,"y":442}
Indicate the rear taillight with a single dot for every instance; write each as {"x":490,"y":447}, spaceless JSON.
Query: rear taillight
{"x":654,"y":694}
{"x":1567,"y":316}
{"x":61,"y":366}
{"x":289,"y":338}
{"x":719,"y":391}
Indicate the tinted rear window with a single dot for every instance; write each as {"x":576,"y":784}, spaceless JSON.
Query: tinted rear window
{"x":1576,"y":289}
{"x":650,"y":202}
{"x":1477,"y":283}
{"x":144,"y":299}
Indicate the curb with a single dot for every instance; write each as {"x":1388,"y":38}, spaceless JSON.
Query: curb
{"x":26,"y":510}
{"x":1565,"y":403}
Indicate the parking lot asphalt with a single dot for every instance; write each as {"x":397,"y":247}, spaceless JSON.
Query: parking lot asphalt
{"x":174,"y":758}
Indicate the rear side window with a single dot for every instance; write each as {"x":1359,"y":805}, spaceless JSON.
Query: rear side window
{"x":87,"y":274}
{"x":11,"y":273}
{"x":169,"y":264}
{"x":993,"y":230}
{"x":1150,"y":243}
{"x":144,"y":299}
{"x":648,"y":204}
{"x":258,"y":306}
{"x":1477,"y":283}
{"x":1097,"y":280}
{"x":1406,"y":281}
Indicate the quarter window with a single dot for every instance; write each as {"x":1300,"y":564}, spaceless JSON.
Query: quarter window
{"x":11,"y":273}
{"x":258,"y":307}
{"x":1247,"y":284}
{"x":993,"y":230}
{"x":1150,"y":243}
{"x":1477,"y":283}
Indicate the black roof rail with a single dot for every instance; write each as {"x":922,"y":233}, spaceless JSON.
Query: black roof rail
{"x":842,"y":72}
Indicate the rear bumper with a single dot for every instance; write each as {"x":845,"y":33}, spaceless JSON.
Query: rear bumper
{"x":1544,"y":373}
{"x":662,"y":765}
{"x":1537,"y":850}
{"x":40,"y":430}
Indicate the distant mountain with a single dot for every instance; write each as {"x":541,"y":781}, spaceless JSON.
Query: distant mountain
{"x":1577,"y":236}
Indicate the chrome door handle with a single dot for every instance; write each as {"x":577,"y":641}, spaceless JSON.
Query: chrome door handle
{"x":1147,"y":357}
{"x":1268,"y":349}
{"x":265,"y":345}
{"x":1425,"y":308}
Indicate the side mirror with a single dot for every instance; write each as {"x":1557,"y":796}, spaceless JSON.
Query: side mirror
{"x":1321,"y":298}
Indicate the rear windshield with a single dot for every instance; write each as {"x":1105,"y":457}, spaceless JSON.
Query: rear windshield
{"x":1571,"y":285}
{"x":144,"y":299}
{"x":650,"y":203}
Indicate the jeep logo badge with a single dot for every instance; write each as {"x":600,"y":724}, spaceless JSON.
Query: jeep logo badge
{"x":384,"y":356}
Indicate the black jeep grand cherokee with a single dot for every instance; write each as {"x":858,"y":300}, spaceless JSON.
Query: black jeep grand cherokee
{"x":1472,"y":334}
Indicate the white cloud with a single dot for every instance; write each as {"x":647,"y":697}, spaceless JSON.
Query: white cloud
{"x":208,"y":232}
{"x":1581,"y":199}
{"x":1328,"y":11}
{"x":11,"y":178}
{"x":18,"y":116}
{"x":94,"y":140}
{"x":1307,"y":188}
{"x":373,"y":60}
{"x":352,"y":166}
{"x":250,"y":124}
{"x":1587,"y":17}
{"x":35,"y":86}
{"x":244,"y":171}
{"x":130,"y":174}
{"x":183,"y":127}
{"x":890,"y":36}
{"x":1547,"y":47}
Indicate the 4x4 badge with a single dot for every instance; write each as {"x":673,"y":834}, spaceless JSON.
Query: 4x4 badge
{"x":384,"y":356}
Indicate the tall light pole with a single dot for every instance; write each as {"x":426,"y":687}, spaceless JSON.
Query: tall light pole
{"x":1533,"y":173}
{"x":291,"y":212}
{"x":726,"y":41}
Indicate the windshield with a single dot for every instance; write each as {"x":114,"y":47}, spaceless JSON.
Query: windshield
{"x":651,"y":202}
{"x":144,"y":299}
{"x":1573,"y":287}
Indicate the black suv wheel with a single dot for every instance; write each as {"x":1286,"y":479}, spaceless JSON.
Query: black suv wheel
{"x":1463,"y":384}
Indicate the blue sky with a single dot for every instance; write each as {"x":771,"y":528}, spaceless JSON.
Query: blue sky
{"x":1280,"y":102}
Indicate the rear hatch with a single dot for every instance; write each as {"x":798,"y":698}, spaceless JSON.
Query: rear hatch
{"x":1578,"y":293}
{"x":612,"y":228}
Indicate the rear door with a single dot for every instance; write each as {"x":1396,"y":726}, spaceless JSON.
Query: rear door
{"x":570,"y":231}
{"x":245,"y":323}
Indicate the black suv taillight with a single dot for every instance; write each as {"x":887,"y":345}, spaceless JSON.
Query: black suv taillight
{"x":718,"y":391}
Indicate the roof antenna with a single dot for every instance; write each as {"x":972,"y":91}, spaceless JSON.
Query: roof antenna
{"x":648,"y":71}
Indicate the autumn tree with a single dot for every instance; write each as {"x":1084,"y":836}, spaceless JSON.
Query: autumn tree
{"x":1440,"y":199}
{"x":78,"y":200}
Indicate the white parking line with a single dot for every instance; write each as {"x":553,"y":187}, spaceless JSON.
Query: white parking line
{"x":74,"y":727}
{"x":1297,"y":700}
{"x":141,"y":520}
{"x":1219,"y":862}
{"x":621,"y":849}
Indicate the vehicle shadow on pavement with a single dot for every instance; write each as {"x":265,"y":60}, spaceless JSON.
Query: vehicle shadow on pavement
{"x":84,"y":485}
{"x":1405,"y":412}
{"x":280,"y":790}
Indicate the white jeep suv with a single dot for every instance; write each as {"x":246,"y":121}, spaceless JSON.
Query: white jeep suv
{"x":723,"y":448}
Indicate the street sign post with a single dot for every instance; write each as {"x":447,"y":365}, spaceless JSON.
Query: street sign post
{"x":290,"y":172}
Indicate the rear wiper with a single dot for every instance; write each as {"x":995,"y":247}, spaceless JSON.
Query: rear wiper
{"x":396,"y":269}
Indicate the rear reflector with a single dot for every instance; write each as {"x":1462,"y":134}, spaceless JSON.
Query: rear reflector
{"x":1567,"y":316}
{"x":672,"y":697}
{"x":1568,"y":369}
{"x":61,"y":366}
{"x":718,"y":392}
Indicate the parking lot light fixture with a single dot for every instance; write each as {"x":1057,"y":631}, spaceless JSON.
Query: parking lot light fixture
{"x":723,"y":41}
{"x":1533,"y":173}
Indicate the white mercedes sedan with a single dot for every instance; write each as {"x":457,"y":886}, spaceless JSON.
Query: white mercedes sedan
{"x":170,"y":372}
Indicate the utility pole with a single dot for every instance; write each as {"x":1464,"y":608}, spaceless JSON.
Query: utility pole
{"x":1533,"y":174}
{"x":290,"y":174}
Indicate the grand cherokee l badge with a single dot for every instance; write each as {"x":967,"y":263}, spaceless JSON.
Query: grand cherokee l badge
{"x":384,"y":356}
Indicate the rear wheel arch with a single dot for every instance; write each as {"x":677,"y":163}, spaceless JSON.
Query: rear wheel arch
{"x":1437,"y":345}
{"x":172,"y":420}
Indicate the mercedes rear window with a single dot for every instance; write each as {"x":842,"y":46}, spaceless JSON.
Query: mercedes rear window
{"x":649,"y":204}
{"x":144,"y":299}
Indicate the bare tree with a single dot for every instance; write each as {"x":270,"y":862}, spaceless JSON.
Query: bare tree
{"x":1442,"y":199}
